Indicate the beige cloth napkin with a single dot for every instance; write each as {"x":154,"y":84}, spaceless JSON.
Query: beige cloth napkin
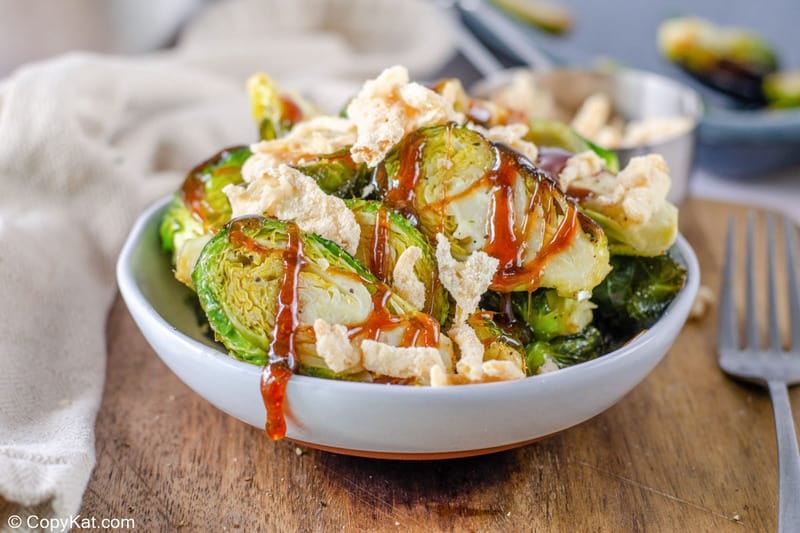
{"x":86,"y":142}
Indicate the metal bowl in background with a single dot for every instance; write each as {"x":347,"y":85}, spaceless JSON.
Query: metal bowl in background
{"x":636,"y":95}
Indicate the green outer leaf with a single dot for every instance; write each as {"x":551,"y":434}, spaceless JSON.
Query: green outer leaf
{"x":608,"y":156}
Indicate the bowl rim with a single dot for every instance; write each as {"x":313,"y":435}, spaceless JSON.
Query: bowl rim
{"x":134,"y":297}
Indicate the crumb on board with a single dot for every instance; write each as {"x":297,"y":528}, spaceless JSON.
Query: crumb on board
{"x":703,"y":301}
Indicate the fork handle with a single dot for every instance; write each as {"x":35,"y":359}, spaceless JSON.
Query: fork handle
{"x":788,"y":459}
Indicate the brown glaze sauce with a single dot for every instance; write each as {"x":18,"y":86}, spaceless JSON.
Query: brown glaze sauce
{"x":194,"y":196}
{"x":401,"y":194}
{"x":193,"y":190}
{"x":282,"y":350}
{"x":579,"y":193}
{"x":507,"y":236}
{"x":291,"y":112}
{"x":552,"y":160}
{"x":506,"y":310}
{"x":379,"y":245}
{"x":420,"y":329}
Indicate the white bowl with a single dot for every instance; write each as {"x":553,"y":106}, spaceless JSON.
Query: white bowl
{"x":376,"y":420}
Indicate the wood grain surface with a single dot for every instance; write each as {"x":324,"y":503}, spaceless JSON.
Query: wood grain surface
{"x":687,"y":450}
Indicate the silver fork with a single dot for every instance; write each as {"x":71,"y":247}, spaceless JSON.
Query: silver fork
{"x":771,"y":367}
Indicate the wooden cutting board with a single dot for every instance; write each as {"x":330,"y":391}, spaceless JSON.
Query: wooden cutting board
{"x":687,"y":450}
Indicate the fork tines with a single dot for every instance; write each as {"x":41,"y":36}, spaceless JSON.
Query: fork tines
{"x":728,"y":338}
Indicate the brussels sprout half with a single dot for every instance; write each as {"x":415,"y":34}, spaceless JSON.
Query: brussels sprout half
{"x":239,"y":277}
{"x":385,"y":235}
{"x":200,"y":207}
{"x":485,"y":196}
{"x":651,"y":238}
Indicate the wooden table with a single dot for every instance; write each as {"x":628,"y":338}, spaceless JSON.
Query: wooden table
{"x":687,"y":450}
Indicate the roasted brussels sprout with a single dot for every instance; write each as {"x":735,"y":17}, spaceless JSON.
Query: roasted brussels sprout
{"x":385,"y":235}
{"x":636,"y":292}
{"x":200,"y":208}
{"x":631,"y":206}
{"x":242,"y":278}
{"x":484,"y":196}
{"x":550,"y":315}
{"x":627,"y":237}
{"x":274,"y":111}
{"x":565,"y":351}
{"x":732,"y":60}
{"x":553,"y":134}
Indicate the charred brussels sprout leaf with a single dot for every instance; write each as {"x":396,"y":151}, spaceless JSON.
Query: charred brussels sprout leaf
{"x":636,"y":292}
{"x":484,"y":196}
{"x":385,"y":235}
{"x":550,"y":315}
{"x":239,"y":276}
{"x":565,"y":351}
